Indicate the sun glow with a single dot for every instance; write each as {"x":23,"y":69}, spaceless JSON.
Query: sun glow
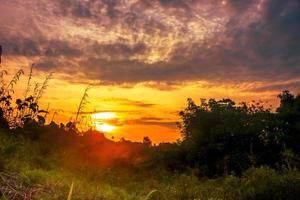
{"x":107,"y":128}
{"x":101,"y":120}
{"x":104,"y":116}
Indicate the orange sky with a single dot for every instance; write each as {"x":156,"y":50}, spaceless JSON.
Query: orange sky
{"x":144,"y":58}
{"x":139,"y":110}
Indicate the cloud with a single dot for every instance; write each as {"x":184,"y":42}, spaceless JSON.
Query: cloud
{"x":118,"y":49}
{"x":281,"y":86}
{"x":15,"y":46}
{"x":241,"y":5}
{"x":129,"y":102}
{"x":175,"y":3}
{"x":162,"y":42}
{"x":46,"y":65}
{"x":81,"y":11}
{"x":152,"y":121}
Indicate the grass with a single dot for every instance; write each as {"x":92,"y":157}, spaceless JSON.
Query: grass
{"x":71,"y":191}
{"x":152,"y":193}
{"x":262,"y":183}
{"x":26,"y":170}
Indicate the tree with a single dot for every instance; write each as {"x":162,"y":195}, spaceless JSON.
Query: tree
{"x":222,"y":136}
{"x":289,"y":112}
{"x":147,"y":141}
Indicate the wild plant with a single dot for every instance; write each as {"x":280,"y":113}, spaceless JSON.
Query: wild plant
{"x":29,"y":81}
{"x":2,"y":74}
{"x":83,"y":103}
{"x":55,"y":112}
{"x":44,"y":87}
{"x":24,"y":110}
{"x":10,"y":87}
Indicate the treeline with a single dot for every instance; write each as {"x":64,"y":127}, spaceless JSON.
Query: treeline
{"x":222,"y":137}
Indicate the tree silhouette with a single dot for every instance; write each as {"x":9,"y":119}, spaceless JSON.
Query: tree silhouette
{"x":147,"y":141}
{"x":221,"y":136}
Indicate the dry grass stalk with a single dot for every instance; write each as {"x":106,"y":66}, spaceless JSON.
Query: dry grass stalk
{"x":14,"y":81}
{"x":43,"y":88}
{"x":28,"y":82}
{"x":83,"y":102}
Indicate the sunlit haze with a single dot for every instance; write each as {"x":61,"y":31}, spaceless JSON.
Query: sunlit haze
{"x":101,"y":121}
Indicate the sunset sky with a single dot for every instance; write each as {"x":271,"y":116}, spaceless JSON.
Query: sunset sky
{"x":144,"y":58}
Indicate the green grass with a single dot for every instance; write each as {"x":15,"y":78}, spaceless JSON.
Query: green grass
{"x":261,"y":183}
{"x":23,"y":162}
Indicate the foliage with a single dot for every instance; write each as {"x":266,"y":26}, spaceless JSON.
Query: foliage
{"x":18,"y":112}
{"x":220,"y":137}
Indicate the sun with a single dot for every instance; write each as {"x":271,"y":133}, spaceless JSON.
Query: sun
{"x":102,"y":121}
{"x":104,"y":115}
{"x":107,"y":128}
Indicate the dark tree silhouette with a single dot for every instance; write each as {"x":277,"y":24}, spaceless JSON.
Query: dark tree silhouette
{"x":147,"y":141}
{"x":221,"y":137}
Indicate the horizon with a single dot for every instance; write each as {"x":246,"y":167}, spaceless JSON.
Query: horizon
{"x":145,"y":58}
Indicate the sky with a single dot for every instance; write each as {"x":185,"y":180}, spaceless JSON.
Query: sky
{"x":144,"y":58}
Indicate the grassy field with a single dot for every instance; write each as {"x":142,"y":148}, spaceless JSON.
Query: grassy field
{"x":29,"y":173}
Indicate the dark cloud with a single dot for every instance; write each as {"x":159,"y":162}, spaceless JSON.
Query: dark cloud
{"x":73,"y":7}
{"x":152,"y":121}
{"x":292,"y":86}
{"x":139,"y":104}
{"x":47,"y":65}
{"x":125,"y":101}
{"x":111,"y":10}
{"x":241,"y":5}
{"x":272,"y":44}
{"x":118,"y":49}
{"x":255,"y":41}
{"x":57,"y":48}
{"x":176,"y":3}
{"x":19,"y":46}
{"x":81,"y":11}
{"x":88,"y":9}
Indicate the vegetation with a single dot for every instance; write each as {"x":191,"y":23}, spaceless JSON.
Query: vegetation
{"x":221,"y":137}
{"x":228,"y":151}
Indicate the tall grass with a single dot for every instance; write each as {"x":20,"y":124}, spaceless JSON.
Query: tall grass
{"x":44,"y":87}
{"x":26,"y":108}
{"x":10,"y":87}
{"x":29,"y":82}
{"x":83,"y":103}
{"x":152,"y":193}
{"x":71,"y":191}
